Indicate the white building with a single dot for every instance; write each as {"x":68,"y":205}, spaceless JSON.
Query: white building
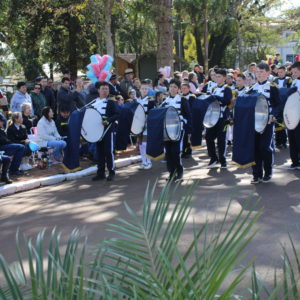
{"x":289,"y":48}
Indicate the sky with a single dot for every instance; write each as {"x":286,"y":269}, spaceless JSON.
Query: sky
{"x":286,"y":4}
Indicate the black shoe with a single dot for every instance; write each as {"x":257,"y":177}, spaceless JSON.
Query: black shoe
{"x":186,"y":156}
{"x":256,"y":180}
{"x":212,"y":163}
{"x":267,"y":178}
{"x":6,"y":180}
{"x":293,"y":166}
{"x":178,"y":177}
{"x":110,"y":177}
{"x":224,"y":166}
{"x":98,"y":177}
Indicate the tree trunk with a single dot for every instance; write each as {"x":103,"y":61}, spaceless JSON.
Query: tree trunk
{"x":95,"y":12}
{"x":110,"y":49}
{"x":205,"y":37}
{"x":165,"y":33}
{"x":197,"y":35}
{"x":73,"y":28}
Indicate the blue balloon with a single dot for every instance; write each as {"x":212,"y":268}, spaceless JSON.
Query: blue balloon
{"x":93,"y":59}
{"x":33,"y":146}
{"x":108,"y":77}
{"x":107,"y":67}
{"x":89,"y":67}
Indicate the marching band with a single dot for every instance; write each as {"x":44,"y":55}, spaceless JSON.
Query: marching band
{"x":254,"y":117}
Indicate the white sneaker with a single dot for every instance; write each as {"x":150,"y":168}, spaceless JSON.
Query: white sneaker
{"x":23,"y":167}
{"x":149,"y":166}
{"x":29,"y":167}
{"x":142,"y":167}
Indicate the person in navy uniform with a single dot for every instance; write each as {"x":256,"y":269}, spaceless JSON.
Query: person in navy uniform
{"x":148,"y":103}
{"x":208,"y":87}
{"x":294,"y":135}
{"x":282,"y":80}
{"x":105,"y":148}
{"x":114,"y":86}
{"x":264,"y":144}
{"x":173,"y":148}
{"x":223,"y":94}
{"x":187,"y":149}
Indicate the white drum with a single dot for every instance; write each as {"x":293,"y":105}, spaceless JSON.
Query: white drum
{"x":139,"y":119}
{"x":261,"y":114}
{"x":212,"y":114}
{"x":92,"y":129}
{"x":291,"y":112}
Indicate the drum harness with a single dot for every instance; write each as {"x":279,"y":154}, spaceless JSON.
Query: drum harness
{"x":102,"y":111}
{"x":176,"y":103}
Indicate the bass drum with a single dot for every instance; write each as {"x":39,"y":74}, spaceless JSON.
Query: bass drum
{"x":172,"y":125}
{"x":92,"y":128}
{"x":212,"y":114}
{"x":139,"y":119}
{"x":291,"y":111}
{"x":261,"y":114}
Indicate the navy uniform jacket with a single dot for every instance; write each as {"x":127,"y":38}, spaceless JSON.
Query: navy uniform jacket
{"x":285,"y":82}
{"x":295,"y":86}
{"x":183,"y":108}
{"x":271,"y":92}
{"x":108,"y":109}
{"x":224,"y":95}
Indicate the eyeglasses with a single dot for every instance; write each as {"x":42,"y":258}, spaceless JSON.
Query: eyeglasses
{"x":37,"y":88}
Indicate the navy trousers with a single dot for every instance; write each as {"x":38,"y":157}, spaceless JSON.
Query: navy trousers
{"x":173,"y":150}
{"x":217,"y":132}
{"x":105,"y":154}
{"x":17,"y":151}
{"x":294,"y":140}
{"x":5,"y":161}
{"x":264,"y":152}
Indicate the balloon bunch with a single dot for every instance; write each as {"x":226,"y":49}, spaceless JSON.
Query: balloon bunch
{"x":165,"y":71}
{"x":99,"y":68}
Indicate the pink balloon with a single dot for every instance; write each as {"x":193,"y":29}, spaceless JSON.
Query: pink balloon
{"x":96,"y":69}
{"x":103,"y":61}
{"x":99,"y":57}
{"x":103,"y":75}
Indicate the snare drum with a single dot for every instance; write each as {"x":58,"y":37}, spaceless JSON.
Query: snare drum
{"x":92,"y":129}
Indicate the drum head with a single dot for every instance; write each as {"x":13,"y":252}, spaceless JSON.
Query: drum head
{"x":92,"y":128}
{"x":261,"y":114}
{"x":291,"y":112}
{"x":212,"y":114}
{"x":139,"y":120}
{"x":172,"y":130}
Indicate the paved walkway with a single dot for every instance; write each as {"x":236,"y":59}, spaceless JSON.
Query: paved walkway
{"x":83,"y":203}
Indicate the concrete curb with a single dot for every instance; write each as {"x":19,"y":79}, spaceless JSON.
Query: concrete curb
{"x":55,"y":179}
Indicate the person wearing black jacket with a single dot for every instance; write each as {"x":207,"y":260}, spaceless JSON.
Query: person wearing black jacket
{"x":67,"y":99}
{"x":114,"y":87}
{"x":62,"y":123}
{"x":173,"y":148}
{"x":17,"y":133}
{"x":49,"y":94}
{"x":264,"y":142}
{"x":105,"y":148}
{"x":11,"y":149}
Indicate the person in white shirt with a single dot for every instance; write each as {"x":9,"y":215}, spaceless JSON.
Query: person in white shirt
{"x":48,"y":134}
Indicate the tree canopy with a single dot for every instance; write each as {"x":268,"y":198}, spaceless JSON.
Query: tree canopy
{"x":65,"y":33}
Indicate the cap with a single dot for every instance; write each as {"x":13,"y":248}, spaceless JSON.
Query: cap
{"x":128,"y":71}
{"x":66,"y":72}
{"x":230,"y":75}
{"x":39,"y":78}
{"x":113,"y":76}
